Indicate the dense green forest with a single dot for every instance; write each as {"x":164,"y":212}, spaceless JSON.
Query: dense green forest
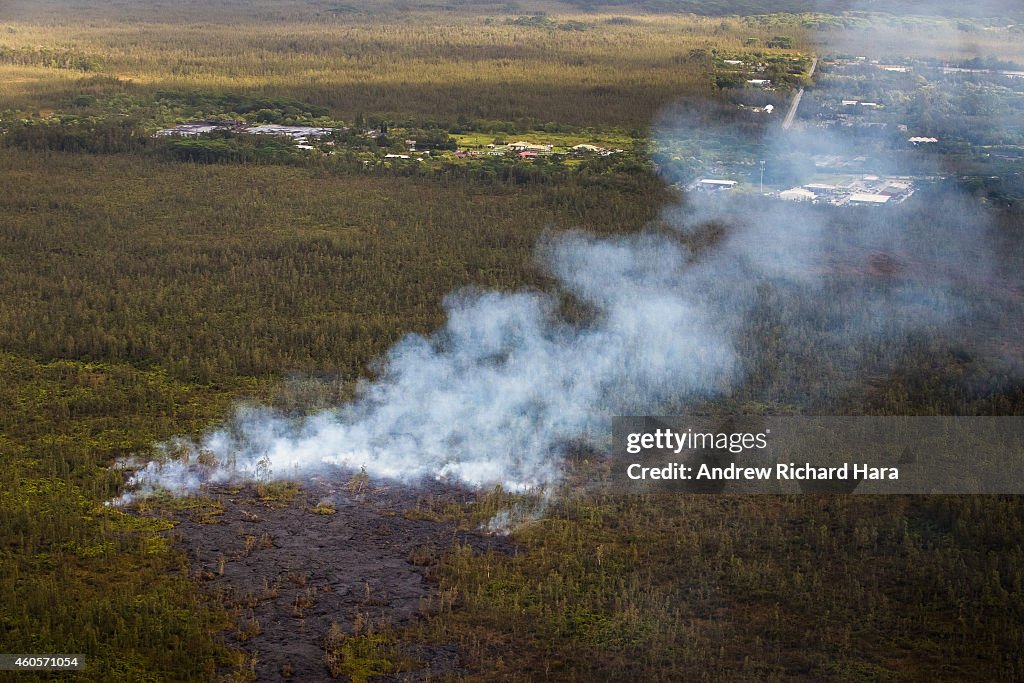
{"x":149,"y":285}
{"x":220,"y":260}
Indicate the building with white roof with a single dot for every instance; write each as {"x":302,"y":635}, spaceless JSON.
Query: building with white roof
{"x":712,"y":184}
{"x":797,"y":194}
{"x":866,"y":198}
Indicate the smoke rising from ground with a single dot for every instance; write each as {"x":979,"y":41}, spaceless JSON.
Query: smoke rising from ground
{"x":491,"y":397}
{"x":499,"y":393}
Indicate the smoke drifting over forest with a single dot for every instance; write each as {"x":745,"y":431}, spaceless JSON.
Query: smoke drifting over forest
{"x":725,"y":294}
{"x":492,"y":396}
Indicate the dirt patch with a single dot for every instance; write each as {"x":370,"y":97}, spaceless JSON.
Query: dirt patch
{"x":290,"y":563}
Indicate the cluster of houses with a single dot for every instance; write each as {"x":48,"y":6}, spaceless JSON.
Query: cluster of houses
{"x":737,"y":66}
{"x":869,"y":190}
{"x":711,"y":185}
{"x":963,"y":70}
{"x":301,"y":135}
{"x":852,"y":114}
{"x":766,"y":109}
{"x":197,"y":128}
{"x":527,"y":150}
{"x":530,"y":150}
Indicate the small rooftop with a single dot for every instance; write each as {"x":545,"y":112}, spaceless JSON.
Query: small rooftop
{"x":865,"y":198}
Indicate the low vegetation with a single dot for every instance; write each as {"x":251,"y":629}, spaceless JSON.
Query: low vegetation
{"x":744,"y":588}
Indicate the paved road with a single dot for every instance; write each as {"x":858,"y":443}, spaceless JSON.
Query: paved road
{"x":791,"y":114}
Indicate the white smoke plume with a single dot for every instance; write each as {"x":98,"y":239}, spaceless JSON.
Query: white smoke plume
{"x":491,"y":397}
{"x":499,"y":393}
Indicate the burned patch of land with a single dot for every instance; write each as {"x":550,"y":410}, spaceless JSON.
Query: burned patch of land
{"x":316,"y":578}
